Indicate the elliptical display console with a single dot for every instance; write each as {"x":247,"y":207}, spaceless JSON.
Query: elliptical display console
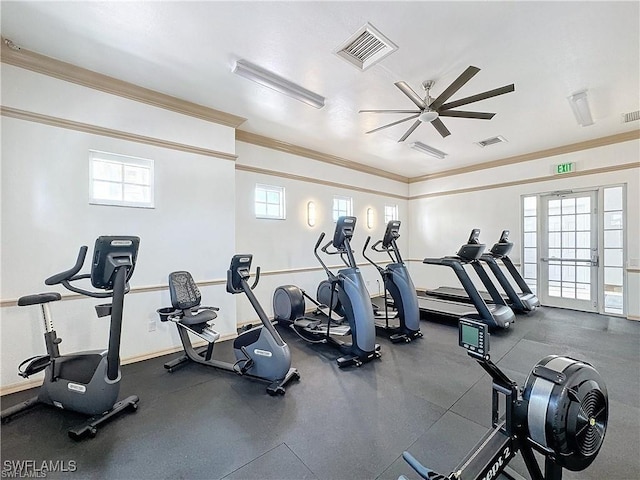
{"x":560,"y":413}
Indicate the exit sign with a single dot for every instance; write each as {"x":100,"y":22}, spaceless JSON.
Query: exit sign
{"x":565,"y":168}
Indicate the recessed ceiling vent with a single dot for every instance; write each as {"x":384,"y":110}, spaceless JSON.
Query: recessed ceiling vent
{"x":366,"y":47}
{"x":491,"y":141}
{"x":631,"y":116}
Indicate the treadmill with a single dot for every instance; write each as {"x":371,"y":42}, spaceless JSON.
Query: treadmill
{"x":523,"y":302}
{"x":526,"y":300}
{"x":496,"y":315}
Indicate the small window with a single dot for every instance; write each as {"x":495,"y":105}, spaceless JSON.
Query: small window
{"x":120,"y":180}
{"x":390,"y":213}
{"x":269,"y":202}
{"x":342,"y":206}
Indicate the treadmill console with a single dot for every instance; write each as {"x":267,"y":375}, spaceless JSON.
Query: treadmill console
{"x":473,"y":249}
{"x":503,"y":247}
{"x":344,"y":231}
{"x":391,"y":233}
{"x":474,"y":337}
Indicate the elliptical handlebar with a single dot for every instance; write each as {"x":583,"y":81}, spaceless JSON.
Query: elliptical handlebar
{"x":331,"y":276}
{"x":364,"y":253}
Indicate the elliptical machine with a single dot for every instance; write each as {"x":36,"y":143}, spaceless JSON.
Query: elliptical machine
{"x":85,"y":382}
{"x":349,"y":287}
{"x":260,"y":352}
{"x":397,"y":282}
{"x":561,"y":413}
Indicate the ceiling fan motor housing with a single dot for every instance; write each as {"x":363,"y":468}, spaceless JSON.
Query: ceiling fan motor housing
{"x":567,"y":410}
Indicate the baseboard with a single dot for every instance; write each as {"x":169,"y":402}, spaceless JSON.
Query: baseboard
{"x":633,"y":317}
{"x":26,"y":385}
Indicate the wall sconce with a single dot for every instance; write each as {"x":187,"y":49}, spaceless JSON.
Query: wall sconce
{"x":311,"y":214}
{"x":369,"y":218}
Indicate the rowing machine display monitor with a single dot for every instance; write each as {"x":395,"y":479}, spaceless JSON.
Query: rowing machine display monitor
{"x":474,"y":336}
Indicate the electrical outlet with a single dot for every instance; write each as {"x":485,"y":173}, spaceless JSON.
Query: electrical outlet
{"x":152,"y":325}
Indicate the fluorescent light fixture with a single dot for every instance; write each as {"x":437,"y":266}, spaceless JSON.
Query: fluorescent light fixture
{"x":268,"y":79}
{"x":311,"y":214}
{"x":427,"y":150}
{"x":580,"y":106}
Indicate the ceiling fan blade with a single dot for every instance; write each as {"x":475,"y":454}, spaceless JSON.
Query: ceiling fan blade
{"x":457,"y":84}
{"x":410,"y":131}
{"x":389,"y":111}
{"x":478,"y":97}
{"x":408,"y":91}
{"x":394,"y":123}
{"x":461,"y":114}
{"x":439,"y":126}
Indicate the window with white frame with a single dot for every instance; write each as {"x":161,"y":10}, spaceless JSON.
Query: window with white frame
{"x":269,"y":202}
{"x":120,"y":180}
{"x":390,"y":213}
{"x":529,"y":244}
{"x":342,"y":206}
{"x":613,"y":221}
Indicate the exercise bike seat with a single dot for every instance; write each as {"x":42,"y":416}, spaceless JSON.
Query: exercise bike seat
{"x":38,"y":298}
{"x":202,"y":316}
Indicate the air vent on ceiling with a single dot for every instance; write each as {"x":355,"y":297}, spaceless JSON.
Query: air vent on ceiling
{"x":491,"y":141}
{"x":366,"y":47}
{"x":631,"y":116}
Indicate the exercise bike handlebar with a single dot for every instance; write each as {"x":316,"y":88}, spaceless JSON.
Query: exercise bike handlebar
{"x":65,"y":278}
{"x":68,"y":274}
{"x":255,"y":282}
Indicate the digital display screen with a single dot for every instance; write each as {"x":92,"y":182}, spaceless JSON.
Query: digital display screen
{"x":469,"y":335}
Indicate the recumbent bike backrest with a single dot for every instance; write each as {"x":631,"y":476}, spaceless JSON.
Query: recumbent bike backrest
{"x":184,"y":291}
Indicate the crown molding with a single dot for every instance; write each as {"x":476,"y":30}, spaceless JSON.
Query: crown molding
{"x":550,"y":152}
{"x":302,"y":178}
{"x":108,"y":132}
{"x":272,"y":143}
{"x":515,"y":183}
{"x":71,"y":73}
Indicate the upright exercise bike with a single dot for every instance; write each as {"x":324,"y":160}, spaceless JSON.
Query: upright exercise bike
{"x":397,"y":282}
{"x":260,"y":352}
{"x":85,"y":382}
{"x":349,"y":286}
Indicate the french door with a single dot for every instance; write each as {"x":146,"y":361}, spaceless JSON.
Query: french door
{"x":569,"y":257}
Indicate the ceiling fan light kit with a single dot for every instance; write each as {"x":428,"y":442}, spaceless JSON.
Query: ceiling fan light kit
{"x":430,"y":110}
{"x":580,"y":106}
{"x":279,"y":84}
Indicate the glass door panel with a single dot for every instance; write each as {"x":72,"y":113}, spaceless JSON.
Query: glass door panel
{"x":569,"y":251}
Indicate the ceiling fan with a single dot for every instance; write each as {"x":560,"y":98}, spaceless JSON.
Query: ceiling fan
{"x":430,"y":110}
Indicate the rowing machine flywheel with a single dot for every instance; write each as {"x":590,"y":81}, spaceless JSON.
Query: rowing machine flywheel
{"x":567,"y":410}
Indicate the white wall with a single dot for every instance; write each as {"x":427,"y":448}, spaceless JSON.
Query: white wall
{"x":288,"y":244}
{"x":46,"y":216}
{"x":440,"y":224}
